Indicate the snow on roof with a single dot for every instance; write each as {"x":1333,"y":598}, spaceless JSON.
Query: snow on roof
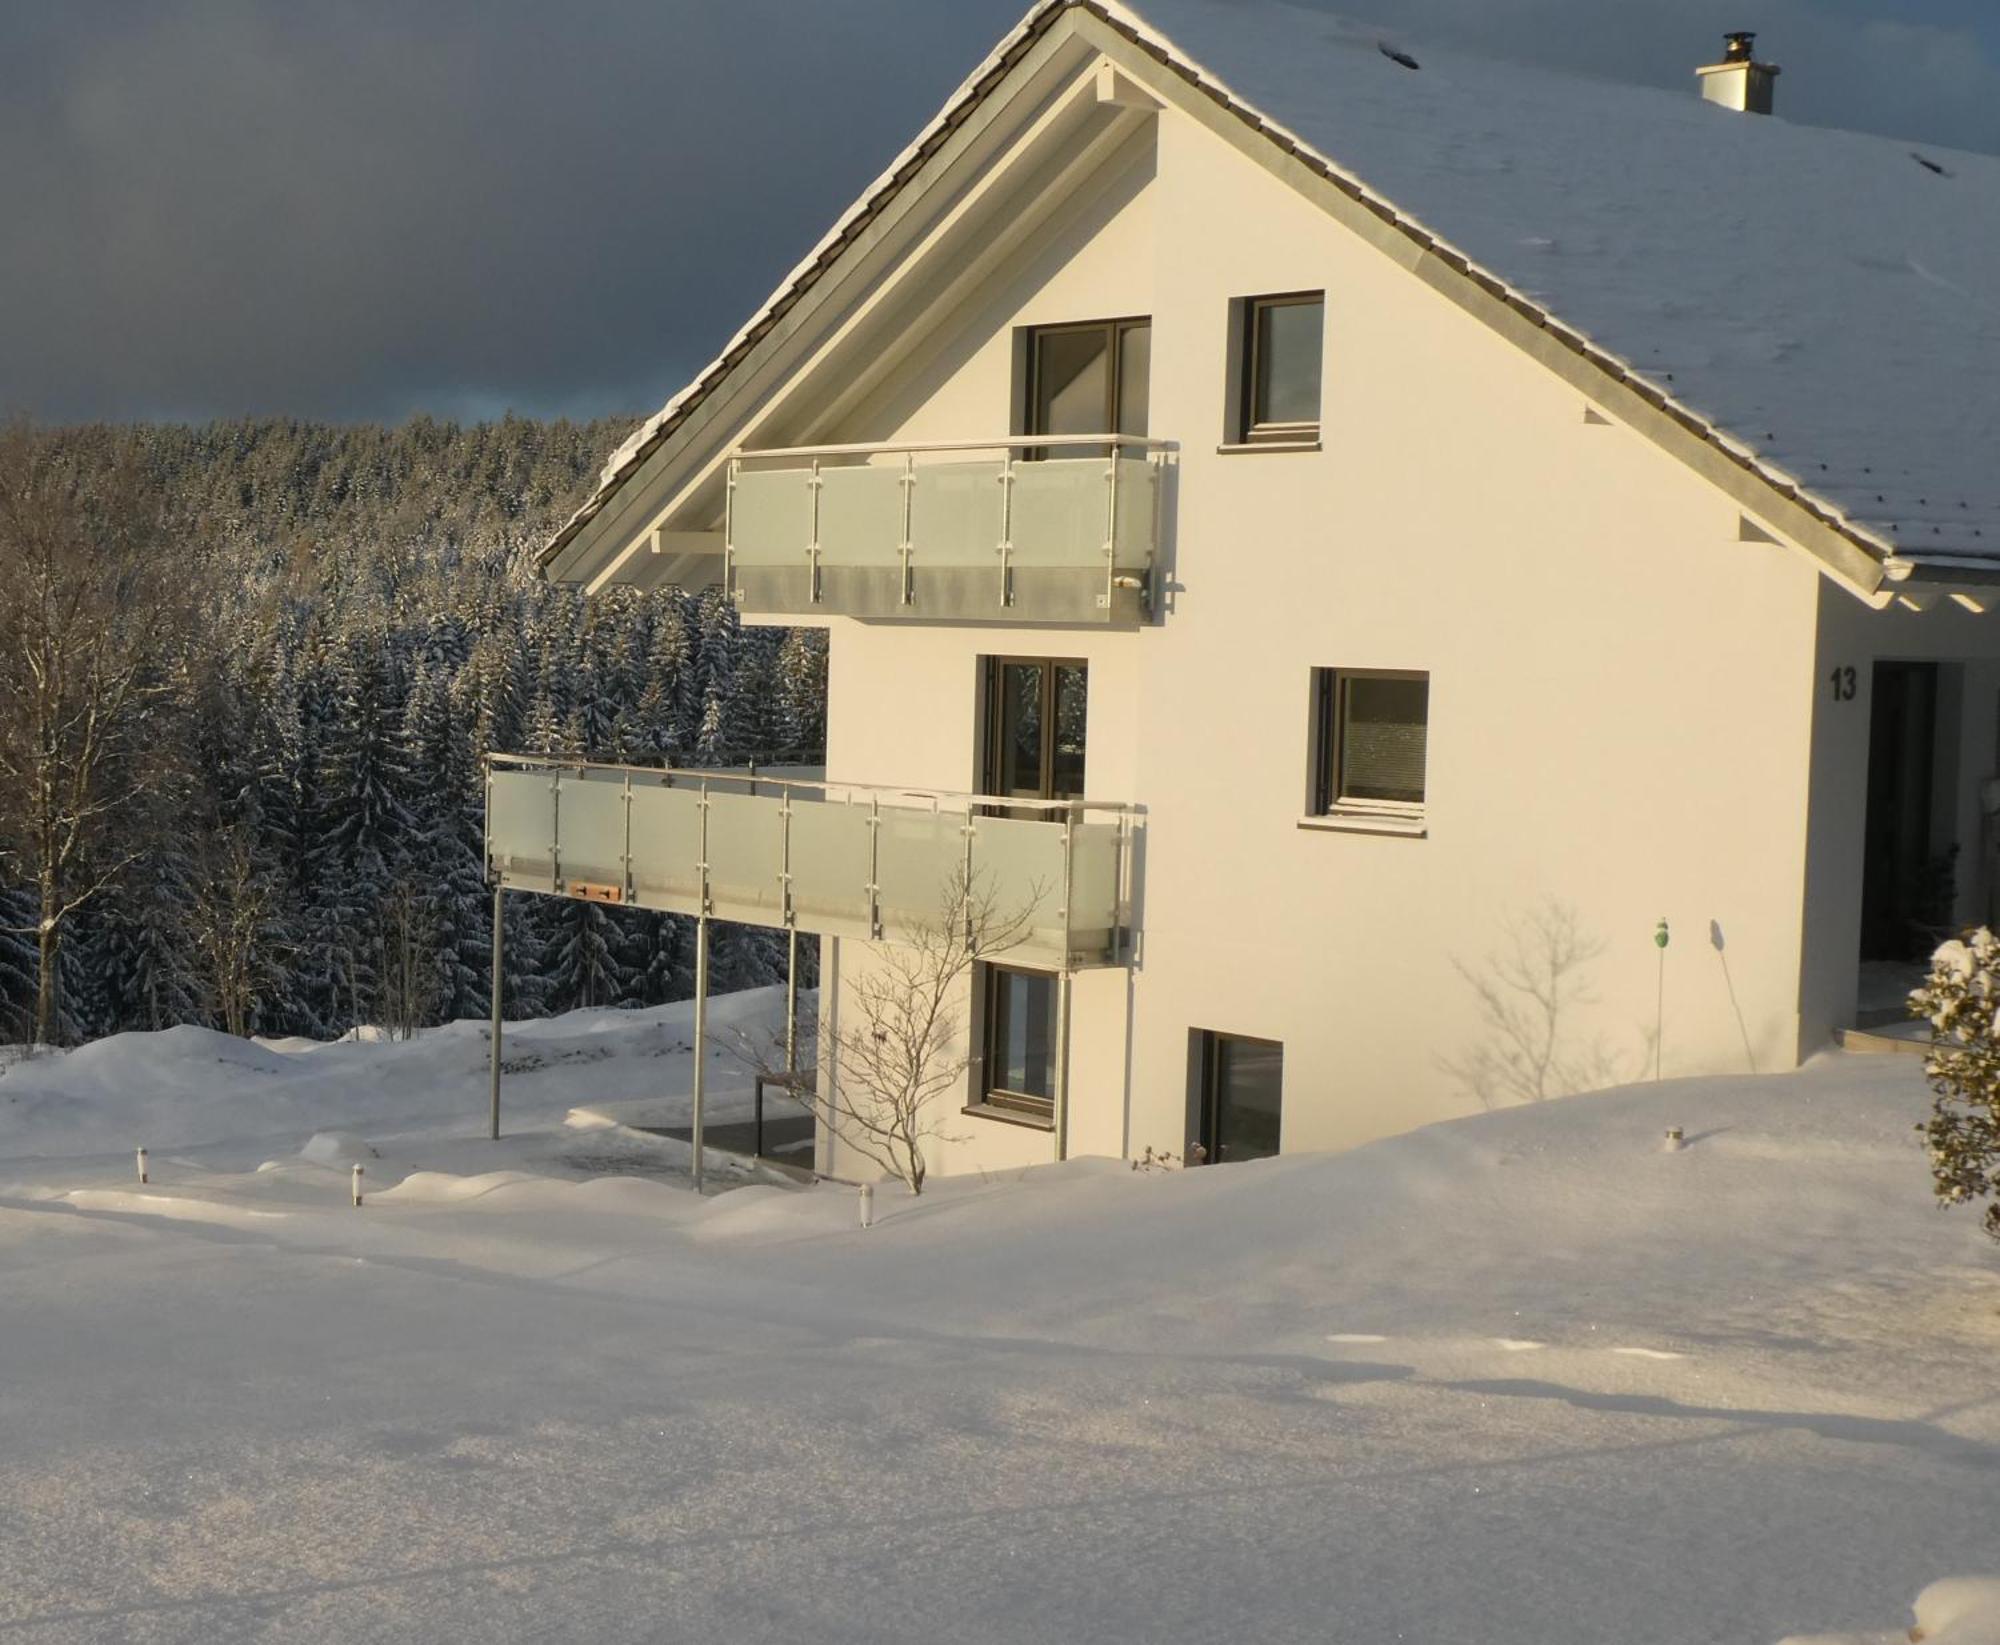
{"x":1830,"y":299}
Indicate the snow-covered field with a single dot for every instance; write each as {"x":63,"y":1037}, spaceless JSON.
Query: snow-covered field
{"x":1522,"y":1378}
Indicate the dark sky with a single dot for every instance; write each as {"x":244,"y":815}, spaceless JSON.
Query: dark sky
{"x":365,"y":208}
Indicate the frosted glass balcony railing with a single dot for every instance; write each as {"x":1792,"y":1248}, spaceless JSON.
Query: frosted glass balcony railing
{"x":1058,"y":528}
{"x":838,"y":859}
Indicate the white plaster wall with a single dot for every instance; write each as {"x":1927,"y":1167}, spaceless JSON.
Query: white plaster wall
{"x":1622,"y":693}
{"x":1851,"y":635}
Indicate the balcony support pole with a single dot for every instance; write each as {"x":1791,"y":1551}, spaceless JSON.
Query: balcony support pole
{"x":1062,"y":1064}
{"x":792,"y":1004}
{"x":1063,"y":989}
{"x":499,"y":976}
{"x":700,"y":1040}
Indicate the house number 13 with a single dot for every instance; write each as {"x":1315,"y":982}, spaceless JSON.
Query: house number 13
{"x":1842,"y":681}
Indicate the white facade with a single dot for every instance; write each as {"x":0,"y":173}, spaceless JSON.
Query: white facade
{"x":1638,"y":704}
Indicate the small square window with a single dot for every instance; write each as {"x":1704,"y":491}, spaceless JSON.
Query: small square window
{"x":1281,"y":346}
{"x":1370,"y":728}
{"x":1019,"y":1041}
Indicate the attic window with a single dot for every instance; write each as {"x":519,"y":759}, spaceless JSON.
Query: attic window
{"x":1282,"y":340}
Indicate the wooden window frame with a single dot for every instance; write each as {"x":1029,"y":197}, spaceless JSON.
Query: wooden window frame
{"x":997,"y":1099}
{"x":1031,"y":395}
{"x":995,"y":721}
{"x":1250,"y":351}
{"x":1328,"y":727}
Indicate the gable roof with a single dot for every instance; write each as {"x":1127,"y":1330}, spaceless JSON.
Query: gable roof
{"x":1818,"y":304}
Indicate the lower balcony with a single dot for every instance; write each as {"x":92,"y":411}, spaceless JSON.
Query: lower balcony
{"x":1043,"y":529}
{"x":835,"y":859}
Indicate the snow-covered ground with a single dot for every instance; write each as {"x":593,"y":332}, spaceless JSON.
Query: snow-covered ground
{"x":1522,"y":1378}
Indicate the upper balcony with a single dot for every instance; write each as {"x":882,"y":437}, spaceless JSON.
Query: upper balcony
{"x":1031,"y":529}
{"x":840,"y":859}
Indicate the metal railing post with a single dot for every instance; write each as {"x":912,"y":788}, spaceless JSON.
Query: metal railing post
{"x":729,"y":529}
{"x":555,"y":829}
{"x":1110,"y":526}
{"x":909,"y":484}
{"x":701,"y":804}
{"x":812,"y":551}
{"x":787,"y":907}
{"x":875,"y":865}
{"x":626,"y":895}
{"x":1007,"y":527}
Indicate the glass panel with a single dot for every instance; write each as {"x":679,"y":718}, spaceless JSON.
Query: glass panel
{"x":1020,"y":763}
{"x":590,"y":827}
{"x":746,"y":852}
{"x":666,"y":846}
{"x":1071,"y":719}
{"x":1382,"y":738}
{"x":1247,"y":1097}
{"x":1021,"y":1035}
{"x":955,"y":515}
{"x":1060,"y":512}
{"x":861,"y":515}
{"x":770,"y":516}
{"x":830,"y":862}
{"x":520,"y":825}
{"x":1287,"y":351}
{"x":1017,"y":866}
{"x":1138,"y":498}
{"x":922,"y":858}
{"x":1135,"y":368}
{"x":1072,"y":381}
{"x":1093,"y":896}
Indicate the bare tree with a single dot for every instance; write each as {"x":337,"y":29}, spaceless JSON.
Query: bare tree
{"x":1527,"y":994}
{"x":896,"y":1047}
{"x":410,"y":973}
{"x":87,"y":637}
{"x":235,"y":923}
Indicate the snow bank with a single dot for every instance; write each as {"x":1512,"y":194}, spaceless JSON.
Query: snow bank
{"x":186,"y":1087}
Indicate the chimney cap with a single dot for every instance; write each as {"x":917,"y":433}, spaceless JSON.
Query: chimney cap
{"x":1739,"y":46}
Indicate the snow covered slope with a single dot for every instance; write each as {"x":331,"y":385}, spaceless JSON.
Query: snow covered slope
{"x":1522,"y":1378}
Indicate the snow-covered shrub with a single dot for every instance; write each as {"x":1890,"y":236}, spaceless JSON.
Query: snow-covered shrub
{"x":1961,"y":1001}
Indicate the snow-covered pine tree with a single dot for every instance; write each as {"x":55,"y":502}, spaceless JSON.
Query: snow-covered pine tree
{"x":443,"y":854}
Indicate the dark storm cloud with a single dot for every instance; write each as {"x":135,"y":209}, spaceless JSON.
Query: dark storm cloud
{"x":363,"y":209}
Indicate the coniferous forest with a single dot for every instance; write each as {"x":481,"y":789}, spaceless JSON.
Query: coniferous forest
{"x":283,"y":832}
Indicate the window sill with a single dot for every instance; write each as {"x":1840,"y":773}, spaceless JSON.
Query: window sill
{"x":1411,"y":826}
{"x":1239,"y":448}
{"x":1009,"y":1116}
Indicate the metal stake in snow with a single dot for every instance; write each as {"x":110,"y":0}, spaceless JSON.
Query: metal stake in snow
{"x":357,"y":1185}
{"x":142,"y":1165}
{"x":1660,"y":995}
{"x":868,"y":1205}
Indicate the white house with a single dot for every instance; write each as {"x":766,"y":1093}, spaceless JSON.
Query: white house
{"x":1392,"y":528}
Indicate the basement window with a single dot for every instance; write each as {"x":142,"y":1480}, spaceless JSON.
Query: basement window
{"x":1370,"y":730}
{"x":1279,"y":344}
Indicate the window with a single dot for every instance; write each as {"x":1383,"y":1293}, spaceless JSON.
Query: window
{"x":1242,"y":1087}
{"x":1088,"y":379}
{"x":1019,"y":1041}
{"x":1036,"y":711}
{"x":1280,"y":346}
{"x":1368,"y":744}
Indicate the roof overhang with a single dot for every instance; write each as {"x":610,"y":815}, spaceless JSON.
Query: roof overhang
{"x":1067,"y":56}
